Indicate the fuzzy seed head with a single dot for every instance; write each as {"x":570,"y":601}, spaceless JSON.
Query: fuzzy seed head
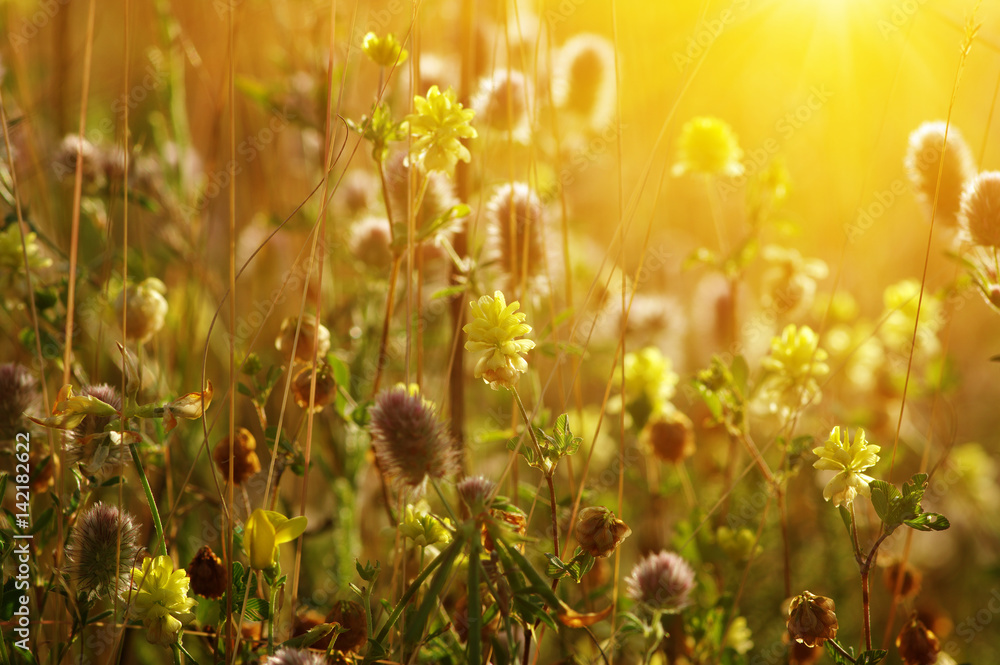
{"x":662,"y":582}
{"x":475,"y":491}
{"x":18,"y":392}
{"x":516,"y":234}
{"x":73,"y":149}
{"x":411,"y":443}
{"x":584,"y":79}
{"x":502,"y":101}
{"x":245,"y":460}
{"x":97,"y":564}
{"x":923,"y":156}
{"x":812,"y":620}
{"x":371,"y":242}
{"x":981,"y":209}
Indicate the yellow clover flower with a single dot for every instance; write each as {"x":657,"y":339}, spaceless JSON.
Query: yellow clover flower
{"x":436,"y":127}
{"x":385,"y":51}
{"x":709,"y":146}
{"x":161,"y":601}
{"x":12,"y":256}
{"x":795,"y":364}
{"x":838,"y":454}
{"x":264,"y":531}
{"x":423,"y":528}
{"x":493,"y":330}
{"x":649,"y":374}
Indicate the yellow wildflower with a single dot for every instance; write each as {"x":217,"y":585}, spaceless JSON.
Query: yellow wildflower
{"x":436,"y":127}
{"x":709,"y":146}
{"x":70,"y":410}
{"x":838,"y":454}
{"x":385,"y":51}
{"x":264,"y":531}
{"x":493,"y":330}
{"x":161,"y":602}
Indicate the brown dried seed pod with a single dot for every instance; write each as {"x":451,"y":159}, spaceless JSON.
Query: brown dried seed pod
{"x":351,"y":616}
{"x":812,"y":619}
{"x":670,"y":436}
{"x":599,"y":532}
{"x":208,"y":574}
{"x":245,"y":460}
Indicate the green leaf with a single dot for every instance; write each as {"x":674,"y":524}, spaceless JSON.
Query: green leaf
{"x":883,"y":494}
{"x":474,"y":613}
{"x":430,"y":228}
{"x":449,"y":291}
{"x":741,"y":374}
{"x":42,"y":520}
{"x":928,"y":522}
{"x":257,"y":609}
{"x":416,"y":622}
{"x":577,"y":567}
{"x":872,"y":657}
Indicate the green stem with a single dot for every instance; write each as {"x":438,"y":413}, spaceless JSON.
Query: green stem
{"x":157,"y":524}
{"x":547,"y":474}
{"x":270,"y":619}
{"x":843,"y":652}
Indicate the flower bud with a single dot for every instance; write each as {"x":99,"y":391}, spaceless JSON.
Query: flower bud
{"x":326,"y":387}
{"x":312,"y":340}
{"x":208,"y":574}
{"x":17,"y":395}
{"x":144,"y":307}
{"x":245,"y":460}
{"x":812,"y":619}
{"x":599,"y":532}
